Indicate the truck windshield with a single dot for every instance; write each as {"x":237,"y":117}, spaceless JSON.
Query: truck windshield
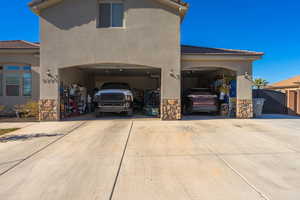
{"x":120,"y":86}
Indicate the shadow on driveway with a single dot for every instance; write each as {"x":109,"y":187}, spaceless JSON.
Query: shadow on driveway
{"x":11,"y":138}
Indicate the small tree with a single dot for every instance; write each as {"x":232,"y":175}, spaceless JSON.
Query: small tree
{"x":259,"y":83}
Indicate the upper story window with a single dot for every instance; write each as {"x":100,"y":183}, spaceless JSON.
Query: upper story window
{"x":111,"y":14}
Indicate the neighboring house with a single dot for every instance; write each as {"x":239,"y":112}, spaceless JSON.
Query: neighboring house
{"x":292,"y":89}
{"x":89,"y":41}
{"x":19,"y":72}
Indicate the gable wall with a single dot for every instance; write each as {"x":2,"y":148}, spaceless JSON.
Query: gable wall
{"x":69,"y":36}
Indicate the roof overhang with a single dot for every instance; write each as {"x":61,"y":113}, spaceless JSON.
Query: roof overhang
{"x":282,"y":87}
{"x":181,"y":7}
{"x":39,"y":5}
{"x":220,"y":57}
{"x":20,"y":51}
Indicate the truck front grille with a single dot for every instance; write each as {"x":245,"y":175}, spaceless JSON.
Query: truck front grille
{"x":112,"y":97}
{"x":112,"y":104}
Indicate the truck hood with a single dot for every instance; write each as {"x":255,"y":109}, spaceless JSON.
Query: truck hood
{"x":109,"y":91}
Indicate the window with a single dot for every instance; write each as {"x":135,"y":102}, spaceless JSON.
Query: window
{"x":27,"y":84}
{"x":12,"y":84}
{"x":111,"y":15}
{"x":18,"y":80}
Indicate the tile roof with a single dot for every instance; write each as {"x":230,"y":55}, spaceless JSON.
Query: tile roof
{"x":289,"y":83}
{"x":18,"y":44}
{"x":187,"y":49}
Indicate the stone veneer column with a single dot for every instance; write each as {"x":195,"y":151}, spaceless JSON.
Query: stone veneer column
{"x":244,"y":103}
{"x":244,"y":109}
{"x":171,"y":109}
{"x":48,"y":110}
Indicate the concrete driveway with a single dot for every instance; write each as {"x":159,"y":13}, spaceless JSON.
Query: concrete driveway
{"x":150,"y":159}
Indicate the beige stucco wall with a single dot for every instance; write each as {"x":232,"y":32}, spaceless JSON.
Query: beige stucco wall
{"x":70,"y":76}
{"x":151,"y":37}
{"x":21,"y":58}
{"x":240,"y":66}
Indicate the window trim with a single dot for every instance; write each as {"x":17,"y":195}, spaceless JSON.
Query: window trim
{"x":111,"y":14}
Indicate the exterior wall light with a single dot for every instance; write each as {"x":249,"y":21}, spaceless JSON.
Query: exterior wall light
{"x":247,"y":76}
{"x":51,"y":76}
{"x":174,"y":75}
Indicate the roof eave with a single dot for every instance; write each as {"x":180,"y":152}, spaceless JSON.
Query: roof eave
{"x":282,"y":87}
{"x":38,"y":7}
{"x":20,"y":50}
{"x":220,"y":56}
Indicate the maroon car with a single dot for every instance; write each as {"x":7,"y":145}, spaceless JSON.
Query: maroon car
{"x":200,"y":100}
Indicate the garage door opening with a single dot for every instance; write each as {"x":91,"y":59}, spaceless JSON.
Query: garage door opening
{"x":209,"y":91}
{"x":110,"y":91}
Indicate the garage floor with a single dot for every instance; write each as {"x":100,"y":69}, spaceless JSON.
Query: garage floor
{"x":152,"y":159}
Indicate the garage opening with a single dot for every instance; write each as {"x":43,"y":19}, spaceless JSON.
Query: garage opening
{"x":209,"y":91}
{"x":110,"y":91}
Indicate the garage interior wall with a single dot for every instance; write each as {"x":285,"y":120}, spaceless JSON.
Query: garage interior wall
{"x":138,"y":82}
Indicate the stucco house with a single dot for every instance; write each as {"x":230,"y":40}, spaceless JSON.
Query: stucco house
{"x":92,"y":41}
{"x":291,"y":87}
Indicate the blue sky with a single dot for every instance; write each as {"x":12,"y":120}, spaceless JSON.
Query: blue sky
{"x":269,"y":26}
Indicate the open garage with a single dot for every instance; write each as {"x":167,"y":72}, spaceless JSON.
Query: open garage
{"x":104,"y":90}
{"x":209,"y":90}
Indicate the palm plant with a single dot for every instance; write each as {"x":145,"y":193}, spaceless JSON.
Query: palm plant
{"x":259,"y":83}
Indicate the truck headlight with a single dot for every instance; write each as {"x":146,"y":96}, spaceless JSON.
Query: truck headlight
{"x":127,"y":105}
{"x":128,"y":98}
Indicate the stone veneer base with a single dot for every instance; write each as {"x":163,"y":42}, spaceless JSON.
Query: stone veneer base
{"x":48,"y":110}
{"x":244,"y":108}
{"x":171,"y":109}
